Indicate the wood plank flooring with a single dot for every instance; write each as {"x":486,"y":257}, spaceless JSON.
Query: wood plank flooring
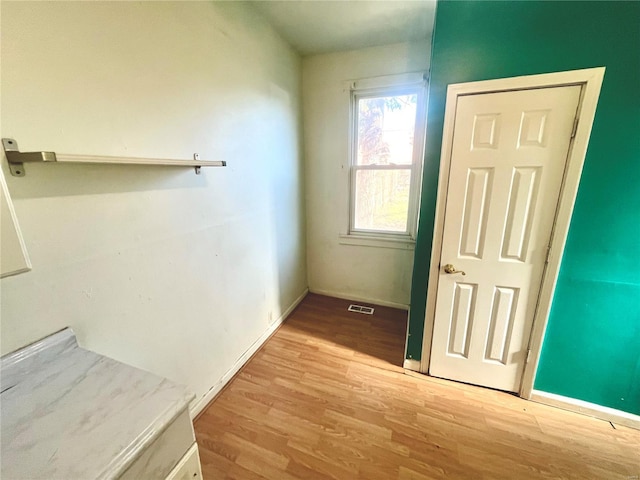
{"x":326,"y":398}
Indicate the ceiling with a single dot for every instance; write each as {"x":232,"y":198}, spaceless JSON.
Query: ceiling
{"x":312,"y":26}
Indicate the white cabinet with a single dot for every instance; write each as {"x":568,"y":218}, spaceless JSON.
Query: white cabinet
{"x":172,"y":455}
{"x":189,"y":467}
{"x":13,"y":253}
{"x":106,"y":420}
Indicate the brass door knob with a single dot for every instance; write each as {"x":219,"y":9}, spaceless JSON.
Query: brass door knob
{"x":448,"y":268}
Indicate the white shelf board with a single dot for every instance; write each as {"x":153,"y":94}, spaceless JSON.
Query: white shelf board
{"x":16,"y":159}
{"x":66,"y":158}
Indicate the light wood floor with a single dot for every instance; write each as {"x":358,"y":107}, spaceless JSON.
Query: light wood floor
{"x":325,"y":397}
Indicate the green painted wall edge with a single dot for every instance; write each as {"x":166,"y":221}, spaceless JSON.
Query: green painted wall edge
{"x":591,"y":349}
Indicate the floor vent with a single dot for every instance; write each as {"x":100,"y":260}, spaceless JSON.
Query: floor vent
{"x":361,"y":309}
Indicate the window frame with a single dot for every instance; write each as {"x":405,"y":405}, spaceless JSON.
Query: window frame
{"x":412,"y":84}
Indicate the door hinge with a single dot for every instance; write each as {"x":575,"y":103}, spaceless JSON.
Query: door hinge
{"x":575,"y":127}
{"x":546,"y":260}
{"x":528,"y":356}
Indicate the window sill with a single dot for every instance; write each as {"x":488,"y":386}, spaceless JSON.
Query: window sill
{"x":380,"y":242}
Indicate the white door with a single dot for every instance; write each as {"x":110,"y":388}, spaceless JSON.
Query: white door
{"x":507,"y":164}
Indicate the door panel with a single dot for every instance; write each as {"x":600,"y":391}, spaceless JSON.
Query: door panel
{"x":521,"y":206}
{"x":479,"y":185}
{"x":507,"y":163}
{"x":462,"y":319}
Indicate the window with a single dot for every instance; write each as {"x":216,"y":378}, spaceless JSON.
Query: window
{"x":387,"y":145}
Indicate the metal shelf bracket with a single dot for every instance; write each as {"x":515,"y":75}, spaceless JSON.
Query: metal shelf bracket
{"x":17,"y":159}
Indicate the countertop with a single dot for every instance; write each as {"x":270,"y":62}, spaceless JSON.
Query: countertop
{"x":69,"y":413}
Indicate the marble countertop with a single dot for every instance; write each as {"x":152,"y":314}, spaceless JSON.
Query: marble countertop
{"x":69,"y":413}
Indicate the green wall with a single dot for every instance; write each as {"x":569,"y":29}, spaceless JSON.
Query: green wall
{"x":592,"y":345}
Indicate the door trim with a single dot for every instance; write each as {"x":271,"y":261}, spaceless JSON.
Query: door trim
{"x":591,"y":81}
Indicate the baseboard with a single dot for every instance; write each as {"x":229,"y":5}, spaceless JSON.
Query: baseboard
{"x":410,"y":364}
{"x":357,"y":298}
{"x":586,"y":408}
{"x":201,"y":404}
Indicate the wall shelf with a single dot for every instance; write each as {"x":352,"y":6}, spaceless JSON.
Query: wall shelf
{"x":17,"y":159}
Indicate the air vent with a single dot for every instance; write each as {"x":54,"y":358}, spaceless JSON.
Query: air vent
{"x":361,"y":309}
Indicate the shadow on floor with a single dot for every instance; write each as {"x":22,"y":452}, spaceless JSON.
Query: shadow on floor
{"x":377,"y":339}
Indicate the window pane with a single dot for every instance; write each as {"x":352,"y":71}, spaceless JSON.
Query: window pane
{"x":385,"y":130}
{"x":382,"y":200}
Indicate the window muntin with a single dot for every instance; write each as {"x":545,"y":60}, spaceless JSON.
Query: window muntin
{"x":386,"y":155}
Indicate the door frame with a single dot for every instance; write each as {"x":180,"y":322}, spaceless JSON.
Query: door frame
{"x":591,"y":81}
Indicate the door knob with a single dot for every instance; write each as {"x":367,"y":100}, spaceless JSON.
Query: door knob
{"x":448,"y":268}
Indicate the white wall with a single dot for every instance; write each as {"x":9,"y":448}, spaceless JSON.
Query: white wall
{"x":171,"y":272}
{"x":374,"y":274}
